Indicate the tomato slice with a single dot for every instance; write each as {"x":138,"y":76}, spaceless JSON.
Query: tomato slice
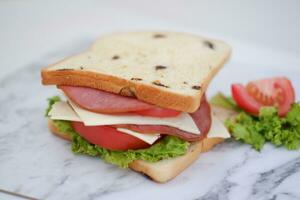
{"x":244,"y":99}
{"x":276,"y":91}
{"x":286,"y":88}
{"x":158,"y":112}
{"x":108,"y":137}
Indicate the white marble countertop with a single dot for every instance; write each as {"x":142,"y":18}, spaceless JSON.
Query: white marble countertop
{"x":34,"y":34}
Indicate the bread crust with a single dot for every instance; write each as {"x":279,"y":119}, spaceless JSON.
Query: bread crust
{"x":150,"y":94}
{"x":145,"y":92}
{"x":56,"y":132}
{"x":166,"y":170}
{"x":163,"y":170}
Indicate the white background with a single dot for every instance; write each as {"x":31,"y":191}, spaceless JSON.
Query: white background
{"x":40,"y":32}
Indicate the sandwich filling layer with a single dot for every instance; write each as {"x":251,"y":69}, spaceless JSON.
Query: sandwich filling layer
{"x":190,"y":127}
{"x":159,"y":146}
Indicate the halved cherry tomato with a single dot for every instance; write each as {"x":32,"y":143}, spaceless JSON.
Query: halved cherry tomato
{"x":108,"y":137}
{"x":158,"y":112}
{"x":276,"y":91}
{"x":244,"y":100}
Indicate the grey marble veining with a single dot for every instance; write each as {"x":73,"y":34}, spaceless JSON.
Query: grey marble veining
{"x":36,"y":163}
{"x":34,"y":33}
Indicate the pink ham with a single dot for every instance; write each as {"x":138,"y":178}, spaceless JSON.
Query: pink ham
{"x":202,"y":118}
{"x":103,"y":102}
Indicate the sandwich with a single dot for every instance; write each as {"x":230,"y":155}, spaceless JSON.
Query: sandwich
{"x":137,"y":100}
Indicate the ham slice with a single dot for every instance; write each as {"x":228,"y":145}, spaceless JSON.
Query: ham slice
{"x":202,"y":118}
{"x":103,"y":102}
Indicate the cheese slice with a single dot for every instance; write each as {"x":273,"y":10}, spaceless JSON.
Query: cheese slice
{"x":62,"y":111}
{"x":149,"y":138}
{"x":183,"y":121}
{"x":217,"y":129}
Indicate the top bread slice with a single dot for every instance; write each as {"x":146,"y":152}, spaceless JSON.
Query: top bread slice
{"x":168,"y":69}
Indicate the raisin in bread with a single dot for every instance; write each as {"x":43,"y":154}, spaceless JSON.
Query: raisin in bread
{"x":168,"y":69}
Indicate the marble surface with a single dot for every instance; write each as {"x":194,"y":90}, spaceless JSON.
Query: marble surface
{"x":35,"y":163}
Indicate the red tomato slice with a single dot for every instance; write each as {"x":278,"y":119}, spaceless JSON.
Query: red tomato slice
{"x":244,"y":100}
{"x":158,"y":112}
{"x":276,"y":91}
{"x":108,"y":137}
{"x":286,"y":88}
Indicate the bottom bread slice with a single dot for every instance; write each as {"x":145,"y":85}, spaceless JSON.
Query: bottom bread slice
{"x":166,"y":170}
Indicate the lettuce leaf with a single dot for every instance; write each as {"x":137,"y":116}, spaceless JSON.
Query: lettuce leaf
{"x":165,"y":148}
{"x":64,"y":127}
{"x":268,"y":126}
{"x":225,"y":102}
{"x":51,"y":102}
{"x":244,"y":129}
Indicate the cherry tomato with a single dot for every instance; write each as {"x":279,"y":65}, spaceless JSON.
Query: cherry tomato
{"x":276,"y":91}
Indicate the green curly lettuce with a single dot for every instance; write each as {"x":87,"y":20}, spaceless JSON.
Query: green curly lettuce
{"x":51,"y":102}
{"x":223,"y":101}
{"x":267,"y":127}
{"x":167,"y":147}
{"x":64,"y":127}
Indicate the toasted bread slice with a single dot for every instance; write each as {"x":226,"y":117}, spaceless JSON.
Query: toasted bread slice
{"x":168,"y":69}
{"x":165,"y":170}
